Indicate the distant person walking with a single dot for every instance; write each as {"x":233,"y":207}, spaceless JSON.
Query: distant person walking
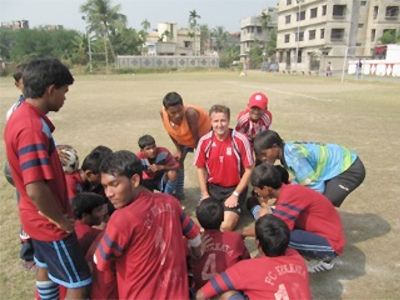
{"x":359,"y":68}
{"x":329,"y":69}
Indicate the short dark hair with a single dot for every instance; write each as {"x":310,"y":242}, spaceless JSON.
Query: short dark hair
{"x":172,"y":99}
{"x":218,"y":108}
{"x":84,"y":203}
{"x":19,"y":72}
{"x":266,"y":175}
{"x":273,"y":235}
{"x":284,"y":173}
{"x":102,"y":150}
{"x":92,"y":162}
{"x":122,"y":163}
{"x":146,"y":140}
{"x":39,"y":74}
{"x":210,"y":213}
{"x":266,"y":140}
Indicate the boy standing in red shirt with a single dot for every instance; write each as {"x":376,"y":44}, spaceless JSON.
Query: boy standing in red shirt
{"x":143,"y":239}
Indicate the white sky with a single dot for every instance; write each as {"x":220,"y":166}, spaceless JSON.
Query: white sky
{"x":227,"y":13}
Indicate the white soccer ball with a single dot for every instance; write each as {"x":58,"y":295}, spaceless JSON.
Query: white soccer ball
{"x":70,"y":164}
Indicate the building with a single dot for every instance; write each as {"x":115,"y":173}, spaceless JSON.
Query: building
{"x":313,"y":32}
{"x":169,"y":40}
{"x":252,"y":31}
{"x":16,"y":24}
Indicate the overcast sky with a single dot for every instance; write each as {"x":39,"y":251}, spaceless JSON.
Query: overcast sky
{"x":227,"y":13}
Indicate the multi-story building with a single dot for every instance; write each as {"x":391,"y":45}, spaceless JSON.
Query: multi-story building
{"x":169,"y":40}
{"x":16,"y":24}
{"x":251,"y":30}
{"x":313,"y":32}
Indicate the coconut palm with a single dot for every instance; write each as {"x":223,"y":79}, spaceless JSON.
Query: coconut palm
{"x":104,"y":19}
{"x":193,"y":16}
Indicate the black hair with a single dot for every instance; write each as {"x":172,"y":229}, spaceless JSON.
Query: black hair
{"x":122,"y":163}
{"x":172,"y":99}
{"x":84,"y":203}
{"x":217,"y":108}
{"x":39,"y":74}
{"x":273,"y":235}
{"x":266,"y":175}
{"x":284,"y":173}
{"x":103,"y":150}
{"x":146,"y":140}
{"x":266,"y":140}
{"x":19,"y":71}
{"x":210,"y":213}
{"x":92,"y":162}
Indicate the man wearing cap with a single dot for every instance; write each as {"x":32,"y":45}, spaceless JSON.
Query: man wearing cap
{"x":256,"y":118}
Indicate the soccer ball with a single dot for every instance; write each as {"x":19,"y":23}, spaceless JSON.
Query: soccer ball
{"x":70,"y":163}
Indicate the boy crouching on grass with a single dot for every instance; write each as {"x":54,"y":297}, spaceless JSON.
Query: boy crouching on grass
{"x":160,"y":168}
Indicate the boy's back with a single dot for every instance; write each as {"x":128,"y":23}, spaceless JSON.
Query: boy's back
{"x":145,"y":238}
{"x":222,"y":251}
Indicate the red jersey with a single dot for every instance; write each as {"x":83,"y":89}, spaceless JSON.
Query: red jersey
{"x":32,"y":155}
{"x":226,"y":249}
{"x":224,"y":160}
{"x":74,"y":184}
{"x":163,"y":157}
{"x":249,"y":128}
{"x":281,"y":277}
{"x":144,"y":242}
{"x":86,"y":235}
{"x":303,"y":208}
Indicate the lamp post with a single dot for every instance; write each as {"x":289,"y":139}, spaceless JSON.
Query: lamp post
{"x":89,"y":45}
{"x":298,"y":32}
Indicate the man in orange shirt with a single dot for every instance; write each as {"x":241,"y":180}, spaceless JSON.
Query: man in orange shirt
{"x":185,"y":124}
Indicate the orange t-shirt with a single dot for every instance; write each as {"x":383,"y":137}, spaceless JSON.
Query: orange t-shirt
{"x":182,"y":133}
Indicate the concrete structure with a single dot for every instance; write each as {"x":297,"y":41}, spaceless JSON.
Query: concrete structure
{"x":178,"y":62}
{"x":251,"y":31}
{"x":313,"y":32}
{"x":169,"y":40}
{"x":16,"y":24}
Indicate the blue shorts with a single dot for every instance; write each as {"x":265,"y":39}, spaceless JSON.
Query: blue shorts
{"x":64,"y":260}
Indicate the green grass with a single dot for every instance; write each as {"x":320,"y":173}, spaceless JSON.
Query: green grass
{"x":116,"y":110}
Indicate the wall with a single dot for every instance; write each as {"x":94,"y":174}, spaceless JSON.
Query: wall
{"x":180,"y":62}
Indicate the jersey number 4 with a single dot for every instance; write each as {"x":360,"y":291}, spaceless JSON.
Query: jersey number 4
{"x":210,"y":268}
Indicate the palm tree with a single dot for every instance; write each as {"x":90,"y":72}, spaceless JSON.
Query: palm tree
{"x":193,"y":16}
{"x":264,"y":20}
{"x":145,"y":25}
{"x":104,"y":19}
{"x":221,"y":37}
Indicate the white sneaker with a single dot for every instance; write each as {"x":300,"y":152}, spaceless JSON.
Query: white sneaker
{"x":315,"y":266}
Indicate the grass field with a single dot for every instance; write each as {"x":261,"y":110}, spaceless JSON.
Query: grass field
{"x":364,"y":116}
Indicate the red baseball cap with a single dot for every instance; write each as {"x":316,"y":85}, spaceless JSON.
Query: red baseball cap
{"x":259,"y":100}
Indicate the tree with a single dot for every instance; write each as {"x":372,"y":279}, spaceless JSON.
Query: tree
{"x":389,"y":37}
{"x":264,"y":21}
{"x":104,"y":20}
{"x":221,"y":37}
{"x":205,"y":38}
{"x":193,"y":16}
{"x":145,"y":25}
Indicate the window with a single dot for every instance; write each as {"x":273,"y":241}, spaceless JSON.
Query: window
{"x":313,"y":12}
{"x":363,"y":3}
{"x":337,"y":34}
{"x":376,"y":11}
{"x":392,"y":12}
{"x":373,"y":33}
{"x":324,"y":10}
{"x":322,"y":33}
{"x":280,"y":56}
{"x":288,"y":2}
{"x":358,"y":44}
{"x":188,"y":44}
{"x":287,"y":38}
{"x":311,"y":34}
{"x":301,"y":35}
{"x":299,"y":56}
{"x":339,"y":11}
{"x":287,"y":19}
{"x":259,"y":29}
{"x":302,"y":16}
{"x":360,"y":25}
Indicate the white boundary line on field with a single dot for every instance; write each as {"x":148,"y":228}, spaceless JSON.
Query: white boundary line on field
{"x":279,"y":92}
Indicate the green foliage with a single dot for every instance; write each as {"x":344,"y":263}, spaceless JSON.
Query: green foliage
{"x":256,"y":55}
{"x":127,"y":42}
{"x":221,"y":37}
{"x":228,"y":55}
{"x":205,"y":35}
{"x":388,"y":37}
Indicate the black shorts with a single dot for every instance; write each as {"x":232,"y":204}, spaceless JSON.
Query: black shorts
{"x":64,"y":260}
{"x":221,"y":193}
{"x":339,"y":187}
